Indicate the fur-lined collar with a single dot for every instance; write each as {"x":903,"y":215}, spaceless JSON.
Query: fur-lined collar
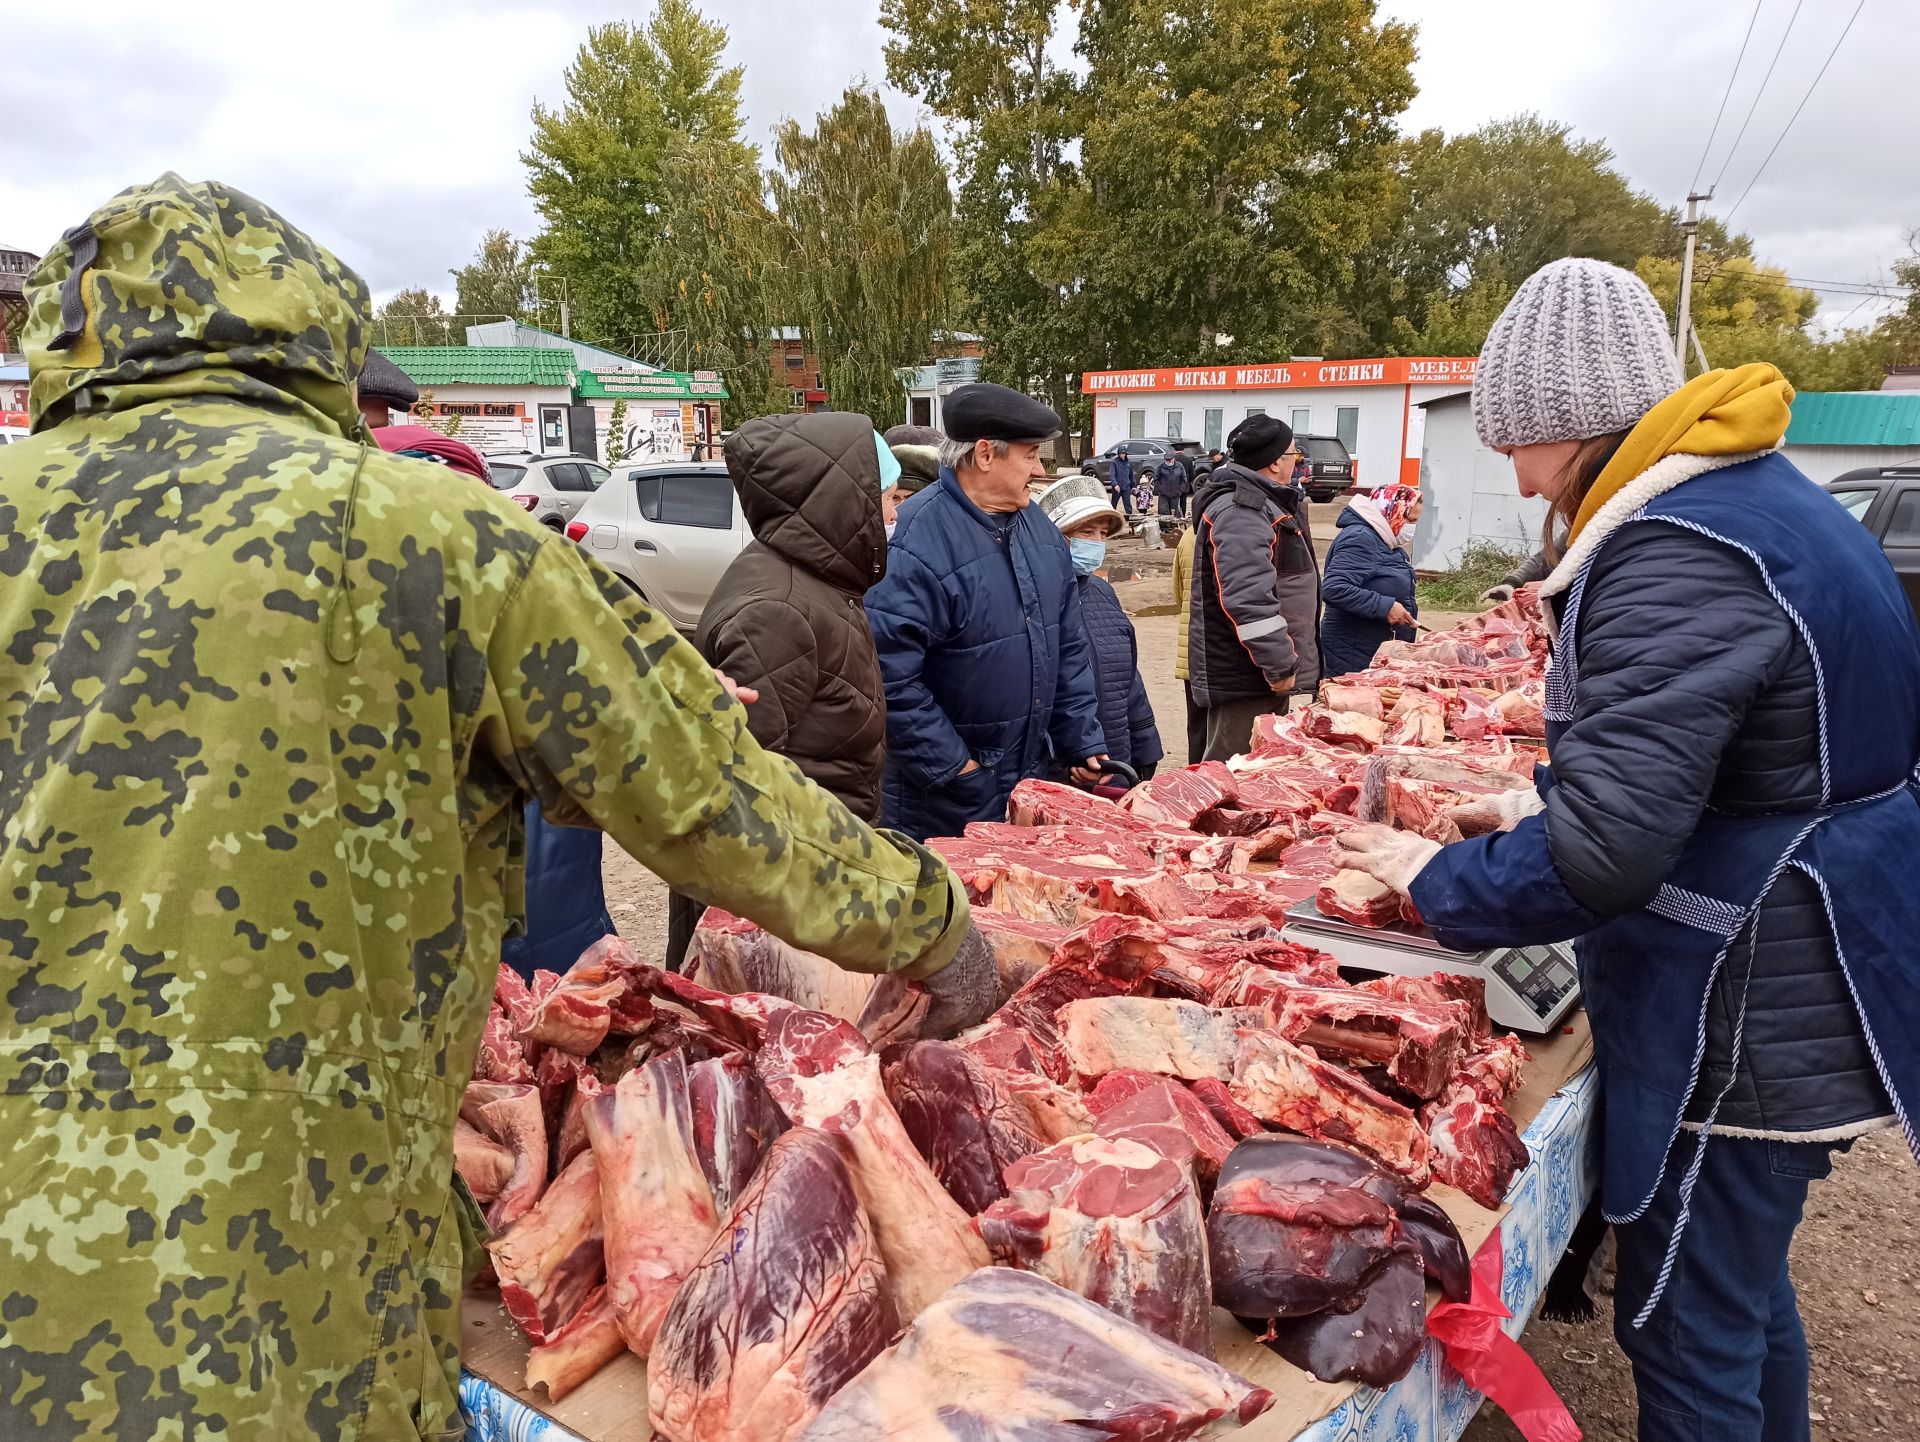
{"x":1655,"y":481}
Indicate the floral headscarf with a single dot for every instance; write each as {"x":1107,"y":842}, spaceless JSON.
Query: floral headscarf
{"x":1394,"y":501}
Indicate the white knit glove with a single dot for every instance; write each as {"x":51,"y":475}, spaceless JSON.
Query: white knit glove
{"x":1393,"y":857}
{"x":1497,"y":595}
{"x":1497,"y":813}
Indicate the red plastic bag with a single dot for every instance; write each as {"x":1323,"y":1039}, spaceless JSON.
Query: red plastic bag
{"x":1493,"y":1363}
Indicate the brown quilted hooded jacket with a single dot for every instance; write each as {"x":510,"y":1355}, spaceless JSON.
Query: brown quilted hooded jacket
{"x":787,"y":616}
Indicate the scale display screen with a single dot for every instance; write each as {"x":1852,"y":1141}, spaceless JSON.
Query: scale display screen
{"x":1539,"y":975}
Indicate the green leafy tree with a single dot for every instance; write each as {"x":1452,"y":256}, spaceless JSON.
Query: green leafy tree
{"x":866,"y":218}
{"x":498,"y":281}
{"x":617,"y":432}
{"x":1898,"y":333}
{"x":415,"y":316}
{"x":595,"y":162}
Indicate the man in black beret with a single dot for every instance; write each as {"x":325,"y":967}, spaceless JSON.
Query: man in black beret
{"x":1254,"y":635}
{"x":988,"y":672}
{"x":382,"y":389}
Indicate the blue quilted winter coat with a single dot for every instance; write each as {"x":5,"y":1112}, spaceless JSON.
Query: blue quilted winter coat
{"x":1362,"y":579}
{"x":984,"y":655}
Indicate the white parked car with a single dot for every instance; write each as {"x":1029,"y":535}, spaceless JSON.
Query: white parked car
{"x":10,"y":434}
{"x":552,"y":487}
{"x":670,"y":530}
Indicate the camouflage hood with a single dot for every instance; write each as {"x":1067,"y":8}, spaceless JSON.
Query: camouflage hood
{"x":173,"y":291}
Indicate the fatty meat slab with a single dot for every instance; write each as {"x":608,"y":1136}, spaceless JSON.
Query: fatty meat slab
{"x":550,"y":1260}
{"x":822,"y":1074}
{"x":1007,"y":1356}
{"x":734,"y":955}
{"x":784,"y":1308}
{"x":585,"y":1343}
{"x":1165,"y":1116}
{"x":1116,"y":1222}
{"x":1419,"y":1045}
{"x":510,"y":1114}
{"x":1290,"y":1087}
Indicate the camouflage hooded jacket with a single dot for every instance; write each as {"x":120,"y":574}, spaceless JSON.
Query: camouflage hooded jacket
{"x":269,"y":700}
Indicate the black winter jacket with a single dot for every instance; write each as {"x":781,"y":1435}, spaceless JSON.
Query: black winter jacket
{"x":1126,"y":715}
{"x":1255,"y":603}
{"x":1171,"y":478}
{"x":1704,"y":696}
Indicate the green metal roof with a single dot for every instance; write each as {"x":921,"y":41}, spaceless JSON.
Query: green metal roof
{"x":1855,"y":418}
{"x":472,"y":365}
{"x":611,"y":385}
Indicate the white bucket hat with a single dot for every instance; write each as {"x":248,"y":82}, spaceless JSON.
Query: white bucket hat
{"x":1079,"y":499}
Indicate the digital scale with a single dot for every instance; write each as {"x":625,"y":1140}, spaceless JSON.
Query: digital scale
{"x":1529,"y":988}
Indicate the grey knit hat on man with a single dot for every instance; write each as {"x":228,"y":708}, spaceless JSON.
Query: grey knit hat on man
{"x":1582,"y":349}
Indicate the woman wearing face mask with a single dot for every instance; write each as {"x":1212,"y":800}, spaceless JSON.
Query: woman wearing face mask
{"x":1081,"y":509}
{"x":1733,"y":713}
{"x":1366,"y":585}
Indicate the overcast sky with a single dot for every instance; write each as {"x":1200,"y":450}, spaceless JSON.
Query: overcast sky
{"x":393,"y":132}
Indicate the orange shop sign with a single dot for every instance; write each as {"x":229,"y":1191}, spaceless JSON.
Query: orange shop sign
{"x":1287,"y":375}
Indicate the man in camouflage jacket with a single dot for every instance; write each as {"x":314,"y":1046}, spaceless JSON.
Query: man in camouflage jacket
{"x":270,"y":702}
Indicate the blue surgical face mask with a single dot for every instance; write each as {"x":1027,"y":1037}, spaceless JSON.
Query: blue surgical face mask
{"x":1088,"y":556}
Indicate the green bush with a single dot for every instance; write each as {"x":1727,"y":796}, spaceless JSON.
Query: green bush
{"x":1483,"y":564}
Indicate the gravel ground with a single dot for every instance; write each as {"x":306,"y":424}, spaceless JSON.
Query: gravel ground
{"x":1856,"y":1260}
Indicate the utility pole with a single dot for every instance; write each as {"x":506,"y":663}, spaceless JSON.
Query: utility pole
{"x":1684,"y":328}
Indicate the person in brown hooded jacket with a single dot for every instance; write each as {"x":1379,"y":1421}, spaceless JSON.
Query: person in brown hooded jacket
{"x":786,"y":619}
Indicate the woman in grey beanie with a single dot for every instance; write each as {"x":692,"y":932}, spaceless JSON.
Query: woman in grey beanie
{"x":1733,"y":713}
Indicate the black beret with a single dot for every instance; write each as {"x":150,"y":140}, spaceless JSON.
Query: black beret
{"x":381,"y":379}
{"x":1259,"y":441}
{"x":986,"y":412}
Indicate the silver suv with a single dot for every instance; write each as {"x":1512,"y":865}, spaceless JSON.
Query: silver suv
{"x":669,"y":530}
{"x":552,"y":487}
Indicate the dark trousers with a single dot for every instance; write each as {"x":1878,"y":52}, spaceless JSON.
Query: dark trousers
{"x":1122,"y":497}
{"x":1723,"y":1357}
{"x":683,"y":916}
{"x":1230,"y":724}
{"x":1196,"y":727}
{"x":1173,"y":505}
{"x":566,"y":901}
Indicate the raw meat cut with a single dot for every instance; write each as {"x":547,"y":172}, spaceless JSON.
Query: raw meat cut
{"x":1355,"y":697}
{"x":1134,"y":953}
{"x":656,"y":1204}
{"x":1359,"y":898}
{"x":822,"y":1075}
{"x":1293,"y":1167}
{"x":550,"y":1260}
{"x":1290,"y":1087}
{"x":1235,"y":1120}
{"x":577,"y":1013}
{"x":1495,"y":1066}
{"x":1343,"y":728}
{"x":1116,"y":1222}
{"x":735,"y":1120}
{"x":587,"y":1342}
{"x":510,"y":1114}
{"x":721,"y":1022}
{"x":1177,"y":797}
{"x":1025,"y":1034}
{"x":1522,"y":711}
{"x":1418,"y":1045}
{"x":1371,"y":1337}
{"x":1289,"y":1249}
{"x":1053,"y":1111}
{"x":1086,"y":845}
{"x":1475,"y":1144}
{"x":1048,"y":803}
{"x":961,"y":1118}
{"x":1021,"y":947}
{"x":1150,"y":1034}
{"x":1165,"y":1116}
{"x":784,"y":1307}
{"x":1007,"y":1356}
{"x":733,"y":955}
{"x":1441,"y":989}
{"x":484,"y":1165}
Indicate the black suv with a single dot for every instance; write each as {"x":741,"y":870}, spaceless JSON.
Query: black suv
{"x":1330,"y":470}
{"x":1886,"y":500}
{"x":1146,"y":451}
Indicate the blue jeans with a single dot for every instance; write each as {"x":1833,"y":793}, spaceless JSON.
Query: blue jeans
{"x":1723,"y":1357}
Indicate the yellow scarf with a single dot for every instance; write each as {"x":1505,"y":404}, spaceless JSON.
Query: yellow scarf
{"x":1721,"y":413}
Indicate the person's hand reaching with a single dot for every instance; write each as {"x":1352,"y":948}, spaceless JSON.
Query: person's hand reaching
{"x":965,"y":991}
{"x":1393,"y":857}
{"x":745,"y":695}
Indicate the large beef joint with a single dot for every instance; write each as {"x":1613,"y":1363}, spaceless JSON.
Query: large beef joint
{"x":962,"y":1119}
{"x":1475,"y":1144}
{"x":785,"y":1306}
{"x":1356,"y":897}
{"x":1007,"y":1356}
{"x":1116,"y":1222}
{"x":550,"y":1260}
{"x":1290,"y":1087}
{"x":1419,"y":1045}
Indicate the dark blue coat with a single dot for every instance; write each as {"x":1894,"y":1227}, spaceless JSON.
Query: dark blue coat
{"x":566,"y":902}
{"x":1363,"y":577}
{"x":1126,"y":715}
{"x":984,"y":655}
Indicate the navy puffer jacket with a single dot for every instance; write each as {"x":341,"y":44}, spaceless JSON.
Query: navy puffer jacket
{"x":1364,"y":576}
{"x":1126,"y":715}
{"x":984,"y":656}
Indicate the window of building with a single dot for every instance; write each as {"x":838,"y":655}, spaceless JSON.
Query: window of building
{"x":795,"y":360}
{"x":1346,"y":425}
{"x":1175,"y":421}
{"x":797,"y":400}
{"x":1256,"y":411}
{"x":1212,"y":420}
{"x":1136,"y":423}
{"x":1302,"y":422}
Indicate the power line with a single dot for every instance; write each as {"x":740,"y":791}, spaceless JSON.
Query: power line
{"x":1778,"y":50}
{"x":1797,"y":109}
{"x":1725,"y":95}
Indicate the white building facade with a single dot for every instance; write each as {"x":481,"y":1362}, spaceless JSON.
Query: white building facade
{"x":1471,"y":494}
{"x":1374,"y":406}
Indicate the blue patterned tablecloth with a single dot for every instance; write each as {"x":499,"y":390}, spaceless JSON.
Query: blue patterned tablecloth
{"x":1431,"y":1403}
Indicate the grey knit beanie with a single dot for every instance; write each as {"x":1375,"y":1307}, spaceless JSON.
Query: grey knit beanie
{"x":1582,"y":349}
